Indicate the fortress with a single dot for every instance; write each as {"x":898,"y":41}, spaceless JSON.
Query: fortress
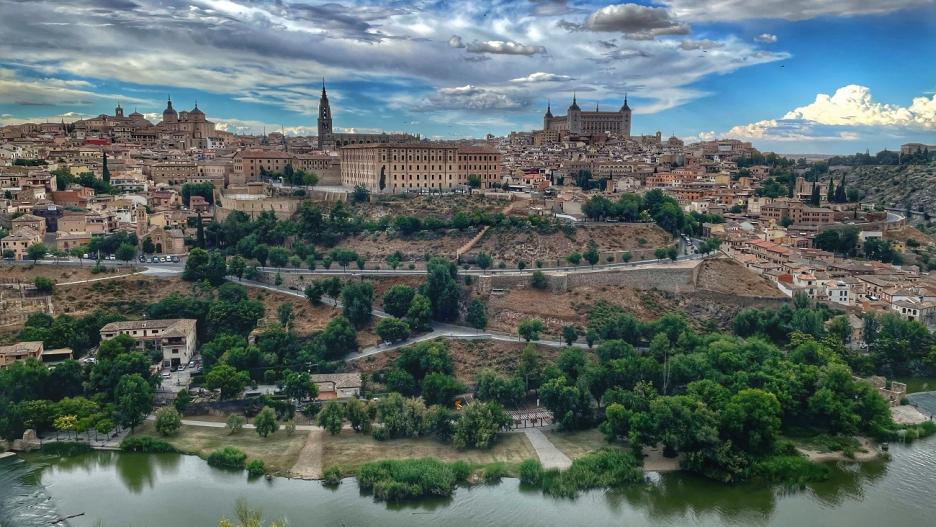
{"x":578,"y":122}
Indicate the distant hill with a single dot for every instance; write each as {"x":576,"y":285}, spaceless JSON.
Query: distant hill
{"x":896,"y":186}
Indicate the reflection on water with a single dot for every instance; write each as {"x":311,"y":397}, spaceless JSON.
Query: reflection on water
{"x":139,"y":489}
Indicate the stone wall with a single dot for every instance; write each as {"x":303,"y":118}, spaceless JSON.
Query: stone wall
{"x":674,"y":278}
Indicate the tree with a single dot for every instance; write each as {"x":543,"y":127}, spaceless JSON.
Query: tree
{"x":202,"y":265}
{"x":265,"y":422}
{"x":357,"y":299}
{"x":133,"y":400}
{"x":331,"y":417}
{"x":235,"y":423}
{"x":440,"y":388}
{"x":105,"y":172}
{"x":358,"y":415}
{"x":313,"y":292}
{"x":397,"y":300}
{"x":338,"y":338}
{"x":36,"y":251}
{"x":125,"y":252}
{"x":530,"y":329}
{"x":591,"y":253}
{"x":392,"y":329}
{"x":299,"y":386}
{"x":44,"y":285}
{"x":574,"y":257}
{"x":479,"y":425}
{"x":284,"y":312}
{"x":227,"y":379}
{"x":752,"y":420}
{"x":420,"y":313}
{"x":483,"y":260}
{"x":441,"y":289}
{"x":182,"y":401}
{"x":66,"y":423}
{"x":237,"y":266}
{"x":569,"y":334}
{"x":477,"y":314}
{"x":382,"y":184}
{"x":278,"y":257}
{"x":538,"y":280}
{"x":474,"y":181}
{"x":168,"y":420}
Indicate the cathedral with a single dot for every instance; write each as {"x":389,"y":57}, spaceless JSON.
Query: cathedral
{"x":183,"y":130}
{"x":329,"y":140}
{"x":577,"y":122}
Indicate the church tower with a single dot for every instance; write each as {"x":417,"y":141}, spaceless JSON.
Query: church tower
{"x":324,"y":118}
{"x":547,"y":117}
{"x":625,"y":118}
{"x":575,"y":117}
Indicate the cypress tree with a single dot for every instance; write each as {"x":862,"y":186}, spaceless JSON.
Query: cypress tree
{"x":815,"y":199}
{"x":105,"y":172}
{"x":830,"y":193}
{"x":840,"y":195}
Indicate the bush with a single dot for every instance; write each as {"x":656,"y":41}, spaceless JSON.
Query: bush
{"x":146,"y":444}
{"x":412,"y":478}
{"x":531,"y":472}
{"x":613,"y":469}
{"x":792,"y":470}
{"x":255,"y":468}
{"x":65,"y":449}
{"x":538,"y":280}
{"x":44,"y":285}
{"x":227,"y":457}
{"x":168,"y":420}
{"x":332,"y":476}
{"x":494,"y":472}
{"x":235,"y":423}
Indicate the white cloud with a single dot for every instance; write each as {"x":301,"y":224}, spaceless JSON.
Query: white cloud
{"x":732,"y":10}
{"x":49,"y":91}
{"x":540,"y":76}
{"x":853,"y":105}
{"x":766,"y":38}
{"x":500,"y":47}
{"x":704,"y":44}
{"x":456,"y":42}
{"x":635,"y":21}
{"x":470,"y":97}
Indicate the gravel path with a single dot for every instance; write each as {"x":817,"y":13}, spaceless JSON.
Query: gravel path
{"x":309,"y":463}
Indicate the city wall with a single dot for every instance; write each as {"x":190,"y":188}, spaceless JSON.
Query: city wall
{"x":674,"y":278}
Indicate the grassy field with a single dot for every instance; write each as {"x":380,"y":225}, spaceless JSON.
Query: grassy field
{"x":577,"y":444}
{"x":349,"y":450}
{"x":278,"y":451}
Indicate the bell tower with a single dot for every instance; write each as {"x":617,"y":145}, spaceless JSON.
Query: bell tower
{"x":324,"y":118}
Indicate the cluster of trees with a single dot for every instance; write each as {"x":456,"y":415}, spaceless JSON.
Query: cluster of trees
{"x":291,"y":176}
{"x":845,"y":240}
{"x":65,"y":331}
{"x":721,"y":400}
{"x":64,"y":178}
{"x":885,"y":157}
{"x":654,"y":206}
{"x":205,"y":190}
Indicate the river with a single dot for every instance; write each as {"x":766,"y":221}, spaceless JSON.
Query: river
{"x":152,"y":490}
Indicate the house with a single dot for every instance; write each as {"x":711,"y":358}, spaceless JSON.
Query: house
{"x":337,"y":385}
{"x":19,"y":352}
{"x":174,"y":337}
{"x":17,"y":242}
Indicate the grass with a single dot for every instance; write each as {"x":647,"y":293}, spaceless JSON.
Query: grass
{"x":278,"y":451}
{"x":348,"y":451}
{"x":579,"y":443}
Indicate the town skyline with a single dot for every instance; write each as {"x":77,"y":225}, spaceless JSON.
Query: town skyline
{"x":836,"y":78}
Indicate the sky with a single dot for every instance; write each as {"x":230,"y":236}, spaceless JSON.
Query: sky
{"x":792,"y":76}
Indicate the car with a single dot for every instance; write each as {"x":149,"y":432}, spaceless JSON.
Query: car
{"x":174,"y":368}
{"x":142,"y":259}
{"x":85,"y":256}
{"x":154,"y":259}
{"x":111,"y":257}
{"x":162,"y":259}
{"x":176,"y":259}
{"x":166,"y":375}
{"x":182,"y":367}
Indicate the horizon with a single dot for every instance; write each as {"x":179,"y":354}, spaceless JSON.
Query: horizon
{"x":837,"y":78}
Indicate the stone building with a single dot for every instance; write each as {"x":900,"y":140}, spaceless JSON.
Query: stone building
{"x":418,"y":166}
{"x":174,"y":337}
{"x":328,"y":139}
{"x":578,"y":122}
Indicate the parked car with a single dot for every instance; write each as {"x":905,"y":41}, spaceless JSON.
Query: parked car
{"x":182,"y":367}
{"x":176,"y":259}
{"x":166,"y":375}
{"x":111,"y":257}
{"x":142,"y":259}
{"x":162,"y":259}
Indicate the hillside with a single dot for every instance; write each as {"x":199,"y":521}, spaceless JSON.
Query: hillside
{"x":897,"y":185}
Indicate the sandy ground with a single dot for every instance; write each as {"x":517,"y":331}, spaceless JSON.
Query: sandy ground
{"x":727,"y":276}
{"x":655,"y":461}
{"x":907,"y":415}
{"x":866,"y":452}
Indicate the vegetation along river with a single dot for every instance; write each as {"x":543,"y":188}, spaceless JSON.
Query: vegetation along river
{"x":115,"y":489}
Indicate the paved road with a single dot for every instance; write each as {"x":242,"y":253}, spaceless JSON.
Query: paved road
{"x":548,"y":454}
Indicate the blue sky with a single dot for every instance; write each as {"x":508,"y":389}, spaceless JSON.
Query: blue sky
{"x":819,"y":76}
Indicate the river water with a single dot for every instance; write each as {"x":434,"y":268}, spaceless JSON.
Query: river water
{"x":150,"y":490}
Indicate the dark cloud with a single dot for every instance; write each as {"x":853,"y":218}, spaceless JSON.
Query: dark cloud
{"x":501,"y":47}
{"x":635,"y":21}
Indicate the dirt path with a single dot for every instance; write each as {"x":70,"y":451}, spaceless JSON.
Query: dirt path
{"x":309,"y":464}
{"x":548,"y":454}
{"x":867,"y":451}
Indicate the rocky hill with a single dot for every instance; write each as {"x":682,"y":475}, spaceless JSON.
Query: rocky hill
{"x":897,"y":186}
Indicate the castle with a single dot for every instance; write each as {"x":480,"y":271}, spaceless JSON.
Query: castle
{"x":329,"y":140}
{"x":578,"y":122}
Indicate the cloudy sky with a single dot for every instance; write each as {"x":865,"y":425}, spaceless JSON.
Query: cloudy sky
{"x":817,"y":76}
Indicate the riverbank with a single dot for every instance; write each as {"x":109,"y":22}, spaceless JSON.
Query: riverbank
{"x":865,"y":451}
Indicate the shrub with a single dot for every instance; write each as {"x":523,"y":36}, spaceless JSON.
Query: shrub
{"x":256,"y":468}
{"x":332,"y":476}
{"x":43,"y":284}
{"x":792,"y":470}
{"x":265,"y":422}
{"x":531,"y":472}
{"x":538,"y":280}
{"x":605,"y":468}
{"x":146,"y":444}
{"x":168,"y":420}
{"x":494,"y":472}
{"x":235,"y":423}
{"x":227,"y":457}
{"x":412,"y":478}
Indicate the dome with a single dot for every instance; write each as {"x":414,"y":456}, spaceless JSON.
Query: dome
{"x":196,"y":111}
{"x":575,"y":106}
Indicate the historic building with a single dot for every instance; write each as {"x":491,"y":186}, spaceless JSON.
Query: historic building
{"x":396,"y":168}
{"x":328,"y":139}
{"x":182,"y":130}
{"x":578,"y":122}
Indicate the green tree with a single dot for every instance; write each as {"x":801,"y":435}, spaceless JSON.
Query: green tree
{"x":591,"y":253}
{"x":569,"y":334}
{"x":441,"y":289}
{"x":331,"y":417}
{"x":313,"y":292}
{"x":36,"y":251}
{"x":235,"y":423}
{"x":574,"y":257}
{"x":419,"y":314}
{"x":237,"y":266}
{"x":440,"y":388}
{"x":278,"y":257}
{"x":125,"y":252}
{"x":479,"y":425}
{"x":284,"y":313}
{"x":133,"y":400}
{"x":392,"y":329}
{"x":397,"y":300}
{"x":266,"y":422}
{"x":530,"y":329}
{"x":298,"y":385}
{"x":338,"y":338}
{"x":182,"y":401}
{"x":227,"y":379}
{"x":168,"y":420}
{"x":752,"y":420}
{"x":538,"y":280}
{"x":477,"y":314}
{"x":483,"y":260}
{"x":44,"y":284}
{"x":357,"y":300}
